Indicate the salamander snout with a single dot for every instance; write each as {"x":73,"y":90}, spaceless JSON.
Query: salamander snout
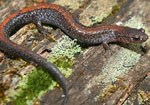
{"x":132,"y":35}
{"x":139,"y":38}
{"x":138,"y":35}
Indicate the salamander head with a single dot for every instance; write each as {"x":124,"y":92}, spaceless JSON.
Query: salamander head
{"x":132,"y":35}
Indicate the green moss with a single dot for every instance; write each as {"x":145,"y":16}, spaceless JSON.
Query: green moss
{"x":51,"y":1}
{"x":99,"y":18}
{"x":115,"y":9}
{"x":63,"y":54}
{"x":64,"y":64}
{"x":39,"y":81}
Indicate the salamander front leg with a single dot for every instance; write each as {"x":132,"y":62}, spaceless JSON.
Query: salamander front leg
{"x":42,"y":30}
{"x":107,"y":48}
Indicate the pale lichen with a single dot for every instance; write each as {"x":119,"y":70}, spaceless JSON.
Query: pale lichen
{"x":65,"y":47}
{"x":119,"y":64}
{"x":63,"y":54}
{"x":38,"y":81}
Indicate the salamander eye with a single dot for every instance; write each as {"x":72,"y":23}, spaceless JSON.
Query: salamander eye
{"x":142,"y":30}
{"x":136,"y":38}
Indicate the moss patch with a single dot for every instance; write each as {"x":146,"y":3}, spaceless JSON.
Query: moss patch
{"x":38,"y":81}
{"x":63,"y":54}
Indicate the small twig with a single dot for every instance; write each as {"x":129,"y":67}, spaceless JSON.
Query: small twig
{"x":129,"y":89}
{"x":125,"y":95}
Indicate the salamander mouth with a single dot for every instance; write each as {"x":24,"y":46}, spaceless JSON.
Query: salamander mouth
{"x":139,"y":38}
{"x":133,"y":39}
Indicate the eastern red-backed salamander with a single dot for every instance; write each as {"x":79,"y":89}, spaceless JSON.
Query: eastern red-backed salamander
{"x":56,"y":15}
